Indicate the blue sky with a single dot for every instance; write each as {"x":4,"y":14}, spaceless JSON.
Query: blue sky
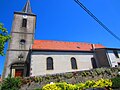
{"x":64,"y":20}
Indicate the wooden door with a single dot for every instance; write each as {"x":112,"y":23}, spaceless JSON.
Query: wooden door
{"x":19,"y":73}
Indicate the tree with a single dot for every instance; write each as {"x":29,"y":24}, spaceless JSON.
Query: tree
{"x":4,"y":37}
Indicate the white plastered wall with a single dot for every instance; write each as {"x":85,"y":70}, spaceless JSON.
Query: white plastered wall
{"x":61,"y":62}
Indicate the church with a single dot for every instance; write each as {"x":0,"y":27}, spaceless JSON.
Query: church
{"x":29,"y":57}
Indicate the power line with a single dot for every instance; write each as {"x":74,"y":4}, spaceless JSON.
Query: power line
{"x":96,"y":19}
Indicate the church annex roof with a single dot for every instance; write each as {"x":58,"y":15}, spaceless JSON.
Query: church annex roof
{"x":27,"y":8}
{"x":64,"y":46}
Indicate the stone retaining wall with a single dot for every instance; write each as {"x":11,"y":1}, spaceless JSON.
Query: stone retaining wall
{"x":71,"y":77}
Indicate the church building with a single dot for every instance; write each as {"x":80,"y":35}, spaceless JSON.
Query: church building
{"x":29,"y":57}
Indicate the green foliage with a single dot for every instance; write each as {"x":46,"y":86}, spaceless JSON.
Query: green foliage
{"x":47,"y":78}
{"x":84,"y":74}
{"x":102,"y":83}
{"x":59,"y":86}
{"x":116,"y":82}
{"x":51,"y":87}
{"x":99,"y":71}
{"x":4,"y":37}
{"x":80,"y":86}
{"x":108,"y":71}
{"x":68,"y":75}
{"x":65,"y":86}
{"x":38,"y":79}
{"x":11,"y":83}
{"x":0,"y":85}
{"x":89,"y":84}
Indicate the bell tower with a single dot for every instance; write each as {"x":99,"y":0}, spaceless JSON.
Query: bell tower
{"x":22,"y":33}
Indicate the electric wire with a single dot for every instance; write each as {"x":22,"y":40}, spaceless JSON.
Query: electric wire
{"x":96,"y":19}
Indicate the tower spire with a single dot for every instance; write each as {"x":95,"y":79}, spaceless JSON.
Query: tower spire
{"x":27,"y":7}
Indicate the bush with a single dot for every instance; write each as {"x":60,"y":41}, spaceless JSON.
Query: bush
{"x":102,"y":83}
{"x":65,"y":86}
{"x":51,"y":87}
{"x":80,"y":86}
{"x":89,"y":84}
{"x":11,"y":83}
{"x":116,"y":82}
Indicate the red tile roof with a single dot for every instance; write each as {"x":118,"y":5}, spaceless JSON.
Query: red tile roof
{"x":66,"y":46}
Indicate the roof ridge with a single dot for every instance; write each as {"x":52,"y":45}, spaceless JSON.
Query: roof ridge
{"x":64,"y":41}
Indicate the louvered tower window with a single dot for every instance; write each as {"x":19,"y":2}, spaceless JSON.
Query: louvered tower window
{"x":24,"y":23}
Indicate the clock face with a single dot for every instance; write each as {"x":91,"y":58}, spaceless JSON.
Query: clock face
{"x":24,"y":16}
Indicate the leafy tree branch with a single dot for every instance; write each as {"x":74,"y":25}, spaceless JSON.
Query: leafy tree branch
{"x":4,"y":37}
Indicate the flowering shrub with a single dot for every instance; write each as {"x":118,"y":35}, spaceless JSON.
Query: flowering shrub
{"x":102,"y":83}
{"x":80,"y":86}
{"x":59,"y":86}
{"x":89,"y":84}
{"x":65,"y":86}
{"x":51,"y":87}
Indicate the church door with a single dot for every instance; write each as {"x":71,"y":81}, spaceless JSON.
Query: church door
{"x":19,"y":73}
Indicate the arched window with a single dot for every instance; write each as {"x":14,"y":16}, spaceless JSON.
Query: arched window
{"x":73,"y":63}
{"x":49,"y":63}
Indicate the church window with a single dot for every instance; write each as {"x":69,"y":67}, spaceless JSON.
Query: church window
{"x":73,"y":63}
{"x":22,"y":41}
{"x":24,"y":23}
{"x":116,"y":53}
{"x":49,"y":63}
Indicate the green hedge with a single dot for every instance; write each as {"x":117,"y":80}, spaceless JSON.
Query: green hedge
{"x":116,"y":82}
